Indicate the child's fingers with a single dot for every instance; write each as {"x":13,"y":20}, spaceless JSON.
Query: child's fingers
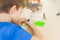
{"x":30,"y":23}
{"x":23,"y":20}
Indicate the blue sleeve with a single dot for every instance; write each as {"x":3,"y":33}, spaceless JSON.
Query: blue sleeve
{"x":21,"y":34}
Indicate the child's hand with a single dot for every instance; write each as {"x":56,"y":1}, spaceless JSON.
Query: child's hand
{"x":30,"y":23}
{"x":22,"y":21}
{"x":30,"y":26}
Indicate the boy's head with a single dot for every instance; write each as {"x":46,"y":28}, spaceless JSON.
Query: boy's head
{"x":7,"y":5}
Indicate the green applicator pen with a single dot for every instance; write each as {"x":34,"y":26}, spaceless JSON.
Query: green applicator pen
{"x":40,"y":23}
{"x":37,"y":23}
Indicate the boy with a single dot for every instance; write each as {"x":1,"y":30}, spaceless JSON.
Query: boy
{"x":10,"y":22}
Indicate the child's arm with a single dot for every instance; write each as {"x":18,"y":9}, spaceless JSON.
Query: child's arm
{"x":36,"y":34}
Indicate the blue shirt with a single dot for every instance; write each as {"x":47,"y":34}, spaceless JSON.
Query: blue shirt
{"x":11,"y":31}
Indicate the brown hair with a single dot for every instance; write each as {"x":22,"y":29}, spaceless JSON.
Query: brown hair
{"x":5,"y":5}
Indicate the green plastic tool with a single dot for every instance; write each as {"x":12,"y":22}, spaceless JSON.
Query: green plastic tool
{"x":40,"y":23}
{"x":25,"y":25}
{"x":37,"y":23}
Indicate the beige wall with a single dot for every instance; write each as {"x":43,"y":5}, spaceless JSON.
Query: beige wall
{"x":51,"y":8}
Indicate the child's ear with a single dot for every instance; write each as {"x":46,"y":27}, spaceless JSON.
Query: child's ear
{"x":13,"y":9}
